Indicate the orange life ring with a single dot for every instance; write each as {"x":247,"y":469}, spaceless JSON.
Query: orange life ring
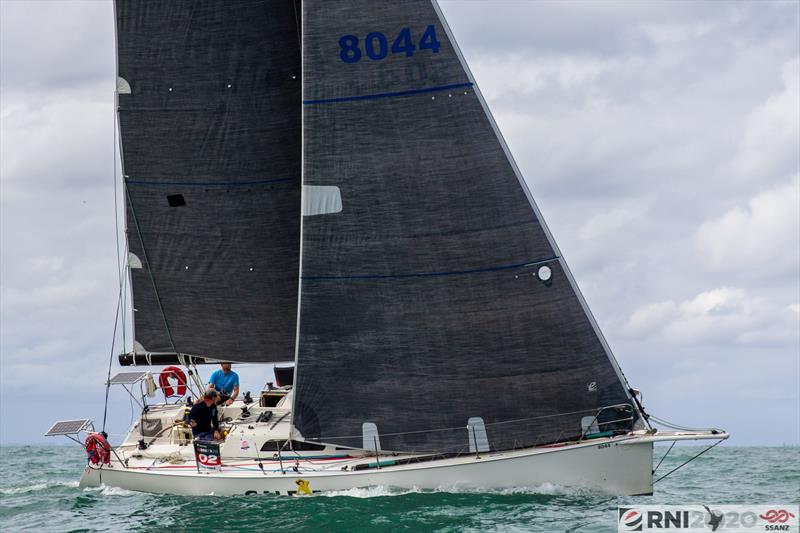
{"x":172,"y":372}
{"x":98,"y":449}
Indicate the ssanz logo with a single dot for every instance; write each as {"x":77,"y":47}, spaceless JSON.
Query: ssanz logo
{"x":777,"y":515}
{"x":708,"y":518}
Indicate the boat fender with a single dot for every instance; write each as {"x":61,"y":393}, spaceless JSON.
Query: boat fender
{"x":98,"y":449}
{"x":150,"y":385}
{"x":163,"y":381}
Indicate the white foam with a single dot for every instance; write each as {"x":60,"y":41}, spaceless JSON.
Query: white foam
{"x":369,"y":492}
{"x":105,"y":490}
{"x":386,"y":490}
{"x":37,"y":487}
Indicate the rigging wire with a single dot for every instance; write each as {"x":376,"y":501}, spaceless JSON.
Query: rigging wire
{"x":297,"y":26}
{"x":119,"y":266}
{"x":688,"y":461}
{"x":110,"y":361}
{"x":124,"y":276}
{"x":665,"y":456}
{"x":150,"y":272}
{"x":454,"y":428}
{"x":676,"y":426}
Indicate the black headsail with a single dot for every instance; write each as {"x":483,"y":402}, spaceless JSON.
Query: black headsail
{"x":209,"y":118}
{"x":432,"y":295}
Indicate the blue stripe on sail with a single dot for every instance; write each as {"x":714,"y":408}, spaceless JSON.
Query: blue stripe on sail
{"x":431,"y":274}
{"x":387,"y":95}
{"x":206,"y":183}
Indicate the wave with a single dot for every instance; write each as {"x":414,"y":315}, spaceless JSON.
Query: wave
{"x":38,"y":487}
{"x":369,"y":492}
{"x":107,"y":490}
{"x":547,"y":489}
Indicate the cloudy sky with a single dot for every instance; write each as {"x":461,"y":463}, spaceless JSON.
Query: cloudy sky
{"x":660,"y":139}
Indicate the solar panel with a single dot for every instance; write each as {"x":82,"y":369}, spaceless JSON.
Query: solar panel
{"x":126,"y":378}
{"x":68,"y":427}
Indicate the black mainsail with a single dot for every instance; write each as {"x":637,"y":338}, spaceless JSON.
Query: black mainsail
{"x":432,"y":295}
{"x":209,"y":119}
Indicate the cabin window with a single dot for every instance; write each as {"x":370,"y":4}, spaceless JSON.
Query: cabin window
{"x":272,"y":445}
{"x":306,"y":446}
{"x":271,"y":400}
{"x":295,"y":445}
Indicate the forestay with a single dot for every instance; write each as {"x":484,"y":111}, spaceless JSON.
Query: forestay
{"x":209,"y":117}
{"x":432,"y":294}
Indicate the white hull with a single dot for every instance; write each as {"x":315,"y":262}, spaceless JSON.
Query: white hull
{"x":617,"y":466}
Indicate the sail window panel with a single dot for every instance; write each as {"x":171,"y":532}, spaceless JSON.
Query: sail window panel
{"x":370,"y":438}
{"x":176,"y":200}
{"x":478,"y":440}
{"x":321,"y":200}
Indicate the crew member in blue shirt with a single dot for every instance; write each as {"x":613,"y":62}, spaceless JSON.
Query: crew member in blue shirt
{"x":226,"y":382}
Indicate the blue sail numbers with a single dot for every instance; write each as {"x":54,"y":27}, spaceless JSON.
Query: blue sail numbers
{"x":376,"y":45}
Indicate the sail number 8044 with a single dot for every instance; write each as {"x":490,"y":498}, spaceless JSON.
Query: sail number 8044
{"x":376,"y":45}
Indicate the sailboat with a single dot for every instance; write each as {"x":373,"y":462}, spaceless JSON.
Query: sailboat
{"x":322,"y":183}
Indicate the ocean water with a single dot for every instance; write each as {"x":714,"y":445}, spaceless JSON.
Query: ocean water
{"x":39,"y":492}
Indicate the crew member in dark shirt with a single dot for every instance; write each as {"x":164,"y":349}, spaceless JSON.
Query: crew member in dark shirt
{"x":203,"y":417}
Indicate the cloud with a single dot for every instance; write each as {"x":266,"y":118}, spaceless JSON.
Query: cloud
{"x":660,"y":141}
{"x":601,"y":29}
{"x":762,"y":238}
{"x":55,"y":44}
{"x":772,"y":135}
{"x":723,"y":316}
